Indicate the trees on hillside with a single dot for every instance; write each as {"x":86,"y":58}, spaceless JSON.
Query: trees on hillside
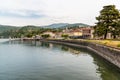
{"x":108,"y":22}
{"x":65,"y":36}
{"x":45,"y":36}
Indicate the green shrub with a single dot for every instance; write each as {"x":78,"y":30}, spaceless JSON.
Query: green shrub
{"x":45,"y":35}
{"x":105,"y":43}
{"x":118,"y":45}
{"x":65,"y":36}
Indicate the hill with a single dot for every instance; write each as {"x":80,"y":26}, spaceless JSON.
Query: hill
{"x":64,"y":25}
{"x":7,"y":28}
{"x":75,"y":25}
{"x":32,"y":27}
{"x":29,"y":27}
{"x":31,"y":30}
{"x":57,"y":25}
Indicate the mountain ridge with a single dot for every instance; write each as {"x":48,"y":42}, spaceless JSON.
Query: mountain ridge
{"x":51,"y":26}
{"x":63,"y":25}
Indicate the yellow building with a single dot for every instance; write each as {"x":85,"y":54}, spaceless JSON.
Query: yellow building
{"x":77,"y":33}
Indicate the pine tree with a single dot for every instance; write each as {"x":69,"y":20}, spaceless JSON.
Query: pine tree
{"x":108,"y":21}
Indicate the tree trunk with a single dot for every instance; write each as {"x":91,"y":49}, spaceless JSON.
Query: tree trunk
{"x":114,"y":36}
{"x":105,"y":36}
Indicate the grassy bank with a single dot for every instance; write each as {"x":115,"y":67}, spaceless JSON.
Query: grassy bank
{"x":112,"y":43}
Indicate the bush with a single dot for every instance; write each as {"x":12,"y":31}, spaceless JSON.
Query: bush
{"x":105,"y":43}
{"x":64,"y":36}
{"x":118,"y":45}
{"x":45,"y":36}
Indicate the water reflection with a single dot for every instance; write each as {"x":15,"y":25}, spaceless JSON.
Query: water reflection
{"x":106,"y":70}
{"x":73,"y":50}
{"x":68,"y":63}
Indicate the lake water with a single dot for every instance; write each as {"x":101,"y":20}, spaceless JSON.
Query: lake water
{"x":3,"y":40}
{"x":43,"y":61}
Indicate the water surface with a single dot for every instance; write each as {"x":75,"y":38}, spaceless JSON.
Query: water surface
{"x":43,"y":61}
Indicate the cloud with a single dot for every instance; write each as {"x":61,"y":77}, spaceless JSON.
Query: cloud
{"x":42,"y":12}
{"x":21,"y":13}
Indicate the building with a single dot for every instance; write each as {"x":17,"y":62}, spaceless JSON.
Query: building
{"x":87,"y":32}
{"x":81,"y":32}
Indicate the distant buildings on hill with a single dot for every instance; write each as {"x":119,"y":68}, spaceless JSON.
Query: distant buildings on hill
{"x":81,"y":32}
{"x":76,"y":33}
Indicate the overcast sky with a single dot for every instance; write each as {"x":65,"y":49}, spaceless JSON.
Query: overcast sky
{"x":44,"y":12}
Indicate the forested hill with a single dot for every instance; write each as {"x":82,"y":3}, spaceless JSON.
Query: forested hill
{"x":7,"y":28}
{"x":30,"y":30}
{"x":58,"y":25}
{"x":64,"y":25}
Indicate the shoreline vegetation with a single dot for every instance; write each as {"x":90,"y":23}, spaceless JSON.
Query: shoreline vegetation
{"x":109,"y":42}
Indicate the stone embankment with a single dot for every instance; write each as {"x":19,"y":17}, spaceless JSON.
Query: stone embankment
{"x":110,"y":54}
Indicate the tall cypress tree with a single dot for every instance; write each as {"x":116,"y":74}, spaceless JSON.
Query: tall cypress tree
{"x":107,"y":21}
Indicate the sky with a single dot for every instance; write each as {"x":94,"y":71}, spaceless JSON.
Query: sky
{"x":45,"y":12}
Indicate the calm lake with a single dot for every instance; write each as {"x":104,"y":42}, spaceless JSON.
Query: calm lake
{"x":45,"y":61}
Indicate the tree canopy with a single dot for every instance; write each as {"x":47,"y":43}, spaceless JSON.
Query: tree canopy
{"x":108,"y":22}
